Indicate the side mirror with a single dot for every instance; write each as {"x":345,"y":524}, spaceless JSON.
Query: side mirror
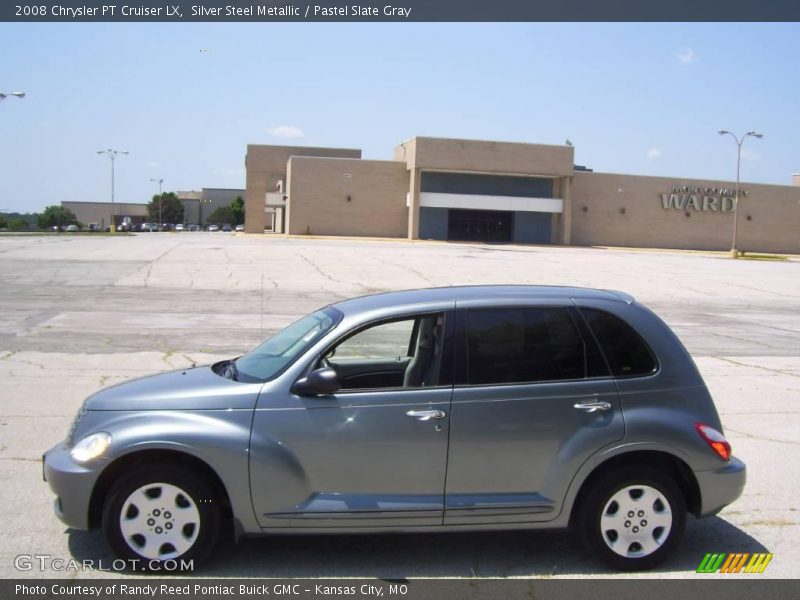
{"x":318,"y":383}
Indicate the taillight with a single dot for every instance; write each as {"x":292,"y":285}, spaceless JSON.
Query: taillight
{"x":714,"y":439}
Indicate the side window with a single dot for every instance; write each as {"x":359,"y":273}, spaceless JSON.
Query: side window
{"x":394,"y":354}
{"x":522,"y":345}
{"x":626,"y":352}
{"x":389,"y":340}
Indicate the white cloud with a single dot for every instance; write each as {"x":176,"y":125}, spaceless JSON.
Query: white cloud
{"x":286,"y":131}
{"x":685,"y":55}
{"x":654,"y":153}
{"x":153,"y":164}
{"x":749,"y":154}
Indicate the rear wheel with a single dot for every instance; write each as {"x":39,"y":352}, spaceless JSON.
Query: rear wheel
{"x":158,"y":514}
{"x":633,"y":519}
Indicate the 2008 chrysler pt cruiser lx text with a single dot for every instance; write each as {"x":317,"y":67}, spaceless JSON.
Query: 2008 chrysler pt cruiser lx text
{"x":464,"y":408}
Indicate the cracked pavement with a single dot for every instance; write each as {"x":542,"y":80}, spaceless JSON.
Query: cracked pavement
{"x":79,"y":313}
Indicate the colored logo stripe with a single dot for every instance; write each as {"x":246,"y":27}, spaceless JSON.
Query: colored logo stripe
{"x":734,"y":563}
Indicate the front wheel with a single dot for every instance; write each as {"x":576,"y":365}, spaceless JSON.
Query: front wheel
{"x":158,"y":514}
{"x":633,"y":519}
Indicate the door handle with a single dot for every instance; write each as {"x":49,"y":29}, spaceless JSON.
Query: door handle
{"x":426,"y":415}
{"x":593,"y":405}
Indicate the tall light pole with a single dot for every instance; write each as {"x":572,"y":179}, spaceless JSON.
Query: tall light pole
{"x":4,"y":95}
{"x":112,"y":154}
{"x":160,"y":220}
{"x":739,"y":142}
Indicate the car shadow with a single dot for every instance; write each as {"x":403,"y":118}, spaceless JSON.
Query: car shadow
{"x":402,"y":556}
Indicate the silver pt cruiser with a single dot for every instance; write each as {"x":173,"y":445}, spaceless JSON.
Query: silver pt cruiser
{"x":463,"y":408}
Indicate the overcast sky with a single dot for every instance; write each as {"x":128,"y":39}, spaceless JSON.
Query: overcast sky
{"x":185,"y":99}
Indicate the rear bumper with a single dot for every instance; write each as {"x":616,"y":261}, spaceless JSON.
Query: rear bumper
{"x":720,"y":487}
{"x":72,"y":484}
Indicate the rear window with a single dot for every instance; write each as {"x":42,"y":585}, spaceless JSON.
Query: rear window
{"x":523,"y":345}
{"x":626,"y":352}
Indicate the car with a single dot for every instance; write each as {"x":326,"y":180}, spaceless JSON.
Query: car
{"x":193,"y":227}
{"x":179,"y":227}
{"x":151,"y":227}
{"x":93,"y":227}
{"x":227,"y":227}
{"x":460,"y":408}
{"x":72,"y":228}
{"x":213,"y":228}
{"x":239,"y":228}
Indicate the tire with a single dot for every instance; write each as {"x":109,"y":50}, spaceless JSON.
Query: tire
{"x":155,"y":515}
{"x":641,"y":541}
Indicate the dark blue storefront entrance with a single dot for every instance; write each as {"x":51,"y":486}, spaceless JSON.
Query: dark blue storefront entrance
{"x":485,"y":224}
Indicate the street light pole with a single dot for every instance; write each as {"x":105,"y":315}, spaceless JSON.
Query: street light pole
{"x":160,"y":220}
{"x":4,"y":95}
{"x":739,"y":142}
{"x":112,"y":154}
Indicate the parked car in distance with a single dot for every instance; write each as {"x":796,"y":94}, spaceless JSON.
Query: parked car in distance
{"x":72,"y":228}
{"x":240,"y":228}
{"x":213,"y":228}
{"x":151,"y":227}
{"x":461,"y":408}
{"x":227,"y":227}
{"x":93,"y":227}
{"x":179,"y":227}
{"x":193,"y":227}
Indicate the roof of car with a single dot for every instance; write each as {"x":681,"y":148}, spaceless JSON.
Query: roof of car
{"x":475,"y":292}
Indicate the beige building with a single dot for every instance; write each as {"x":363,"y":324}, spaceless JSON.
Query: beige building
{"x":100,"y":212}
{"x":449,"y":189}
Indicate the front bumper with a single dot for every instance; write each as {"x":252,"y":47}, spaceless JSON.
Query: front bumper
{"x":72,"y":484}
{"x":720,"y":487}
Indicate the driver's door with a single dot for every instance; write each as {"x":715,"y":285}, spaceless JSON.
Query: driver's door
{"x":372,"y":454}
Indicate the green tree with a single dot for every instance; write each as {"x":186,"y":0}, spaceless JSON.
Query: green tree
{"x":56,"y":215}
{"x":17,"y":224}
{"x":237,"y":207}
{"x":171,"y":208}
{"x":224,"y":214}
{"x":3,"y":222}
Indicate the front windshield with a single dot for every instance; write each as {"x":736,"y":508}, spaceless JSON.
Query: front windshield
{"x":278,"y":352}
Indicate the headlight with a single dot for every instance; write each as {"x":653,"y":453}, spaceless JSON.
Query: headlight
{"x":90,"y":447}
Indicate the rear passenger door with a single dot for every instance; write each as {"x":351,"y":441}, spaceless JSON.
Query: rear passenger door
{"x":533,"y":400}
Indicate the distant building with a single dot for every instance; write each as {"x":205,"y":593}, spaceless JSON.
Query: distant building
{"x":472,"y":190}
{"x":100,"y":212}
{"x":198,"y":205}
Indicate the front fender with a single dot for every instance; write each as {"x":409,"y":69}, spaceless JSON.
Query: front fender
{"x":219,"y":438}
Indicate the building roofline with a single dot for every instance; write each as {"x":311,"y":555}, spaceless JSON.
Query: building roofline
{"x":289,"y":147}
{"x":450,"y":139}
{"x":102,"y":202}
{"x":678,"y":178}
{"x":351,"y":158}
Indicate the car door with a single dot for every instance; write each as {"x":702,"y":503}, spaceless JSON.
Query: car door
{"x":371,"y":455}
{"x":533,"y":400}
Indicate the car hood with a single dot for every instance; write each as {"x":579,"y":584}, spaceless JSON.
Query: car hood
{"x":198,"y":388}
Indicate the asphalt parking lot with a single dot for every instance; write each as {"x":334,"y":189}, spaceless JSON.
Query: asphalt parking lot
{"x":78,"y":313}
